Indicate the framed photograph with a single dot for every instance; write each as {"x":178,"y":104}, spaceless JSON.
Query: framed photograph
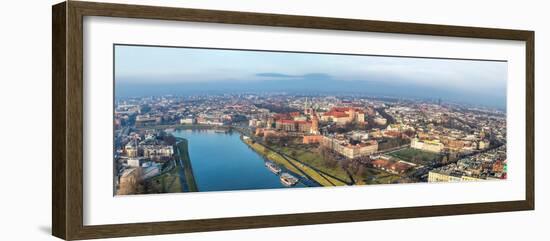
{"x":170,"y":120}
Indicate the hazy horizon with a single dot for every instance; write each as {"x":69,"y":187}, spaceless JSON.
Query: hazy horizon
{"x":144,"y":70}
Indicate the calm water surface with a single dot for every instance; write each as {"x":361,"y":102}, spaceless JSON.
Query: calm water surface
{"x":222,"y":162}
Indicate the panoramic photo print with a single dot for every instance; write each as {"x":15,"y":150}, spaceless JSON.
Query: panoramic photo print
{"x":202,"y":119}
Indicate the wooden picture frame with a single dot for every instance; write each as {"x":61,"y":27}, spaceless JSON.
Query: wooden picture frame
{"x":67,"y":124}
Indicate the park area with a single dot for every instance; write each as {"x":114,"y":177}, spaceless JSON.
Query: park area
{"x":311,"y":155}
{"x":415,"y":156}
{"x":296,"y":166}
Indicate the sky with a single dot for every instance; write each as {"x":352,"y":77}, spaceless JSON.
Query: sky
{"x":147,"y":70}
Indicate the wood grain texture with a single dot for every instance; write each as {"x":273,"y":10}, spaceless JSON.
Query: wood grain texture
{"x":59,"y":192}
{"x":121,"y":230}
{"x":74,"y":110}
{"x":530,"y":120}
{"x":67,"y":137}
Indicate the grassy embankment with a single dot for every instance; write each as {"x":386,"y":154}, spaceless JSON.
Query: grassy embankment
{"x":307,"y":155}
{"x":293,"y":165}
{"x":167,"y":182}
{"x":187,"y":170}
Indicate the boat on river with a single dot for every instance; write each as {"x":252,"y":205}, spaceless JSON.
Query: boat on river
{"x":288,"y":180}
{"x":273,"y":167}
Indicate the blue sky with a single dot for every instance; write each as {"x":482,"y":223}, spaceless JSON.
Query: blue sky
{"x":141,"y":65}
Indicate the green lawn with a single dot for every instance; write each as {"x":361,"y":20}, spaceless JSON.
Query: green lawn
{"x":414,"y":155}
{"x":165,"y":183}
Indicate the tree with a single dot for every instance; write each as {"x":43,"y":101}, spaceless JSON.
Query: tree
{"x":284,"y":140}
{"x":269,"y":139}
{"x":324,"y":152}
{"x":416,"y":158}
{"x":445,"y":159}
{"x":360,"y":171}
{"x":345,"y":163}
{"x":331,"y":163}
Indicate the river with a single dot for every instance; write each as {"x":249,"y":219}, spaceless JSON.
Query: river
{"x":222,"y":162}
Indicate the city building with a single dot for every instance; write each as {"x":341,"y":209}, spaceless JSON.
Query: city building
{"x":314,"y":124}
{"x":286,"y":125}
{"x":131,"y":150}
{"x":349,"y":150}
{"x":134,"y":162}
{"x":380,"y":120}
{"x":344,"y":115}
{"x":427,"y":145}
{"x":450,"y":175}
{"x":293,"y":126}
{"x":252,"y":122}
{"x":129,"y":180}
{"x":152,"y":151}
{"x":311,"y":139}
{"x":188,"y":121}
{"x":455,"y":145}
{"x":483,"y":166}
{"x":146,"y":120}
{"x":484,"y":144}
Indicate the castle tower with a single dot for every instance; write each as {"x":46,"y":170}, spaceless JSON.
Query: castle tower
{"x":352,"y":115}
{"x":307,"y":109}
{"x":314,"y":124}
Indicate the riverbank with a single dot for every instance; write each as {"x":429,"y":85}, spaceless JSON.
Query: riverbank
{"x":186,"y":127}
{"x":184,"y":163}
